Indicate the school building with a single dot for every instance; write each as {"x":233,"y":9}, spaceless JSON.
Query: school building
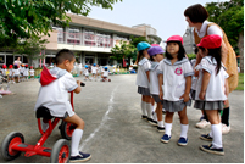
{"x":91,"y":41}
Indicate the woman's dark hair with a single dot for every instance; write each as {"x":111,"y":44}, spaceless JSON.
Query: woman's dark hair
{"x":140,"y":55}
{"x":196,"y":50}
{"x":196,"y":13}
{"x":181,"y":53}
{"x":63,"y":55}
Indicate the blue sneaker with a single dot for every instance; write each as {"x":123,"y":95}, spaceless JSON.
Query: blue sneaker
{"x":206,"y":137}
{"x":80,"y":158}
{"x":212,"y":150}
{"x":165,"y":138}
{"x":182,"y":141}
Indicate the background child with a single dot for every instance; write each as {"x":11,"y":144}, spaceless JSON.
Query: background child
{"x":142,"y":82}
{"x":212,"y":89}
{"x":157,"y":53}
{"x":174,"y":85}
{"x":4,"y":70}
{"x":26,"y":72}
{"x":10,"y":74}
{"x":86,"y":73}
{"x":54,"y":97}
{"x":31,"y":72}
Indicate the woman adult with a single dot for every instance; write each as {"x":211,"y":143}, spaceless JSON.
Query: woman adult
{"x":196,"y":16}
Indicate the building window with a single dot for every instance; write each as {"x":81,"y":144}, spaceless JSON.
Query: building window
{"x":89,"y":37}
{"x":59,"y":35}
{"x":73,"y":36}
{"x":2,"y":59}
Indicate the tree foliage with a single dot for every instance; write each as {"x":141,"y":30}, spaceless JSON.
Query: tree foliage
{"x":127,"y":50}
{"x":230,"y":17}
{"x":27,"y":19}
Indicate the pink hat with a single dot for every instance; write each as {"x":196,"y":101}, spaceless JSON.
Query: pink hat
{"x":211,"y":41}
{"x":175,"y":38}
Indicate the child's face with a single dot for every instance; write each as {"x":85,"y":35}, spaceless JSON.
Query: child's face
{"x":173,"y":48}
{"x":146,"y":54}
{"x":69,"y":65}
{"x":159,"y":57}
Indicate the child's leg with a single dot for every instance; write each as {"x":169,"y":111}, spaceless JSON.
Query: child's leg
{"x":159,"y":114}
{"x":168,"y":122}
{"x":153,"y":114}
{"x":184,"y":123}
{"x":225,"y":115}
{"x":77,"y":134}
{"x":216,"y":128}
{"x":148,"y":105}
{"x":143,"y":106}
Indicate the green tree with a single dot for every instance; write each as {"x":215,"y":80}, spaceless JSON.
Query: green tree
{"x":27,"y":19}
{"x":127,"y":50}
{"x":230,"y":17}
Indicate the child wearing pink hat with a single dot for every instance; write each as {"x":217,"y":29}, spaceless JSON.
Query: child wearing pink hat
{"x":175,"y":83}
{"x":213,"y":91}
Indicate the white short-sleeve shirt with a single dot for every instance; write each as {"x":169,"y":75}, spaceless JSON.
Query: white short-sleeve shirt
{"x":55,"y":95}
{"x":216,"y":88}
{"x":143,"y":67}
{"x":210,"y":30}
{"x":174,"y":78}
{"x":153,"y":78}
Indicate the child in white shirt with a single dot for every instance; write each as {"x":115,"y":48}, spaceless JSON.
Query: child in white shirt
{"x":213,"y":90}
{"x":174,"y":84}
{"x":53,"y":94}
{"x":142,"y":82}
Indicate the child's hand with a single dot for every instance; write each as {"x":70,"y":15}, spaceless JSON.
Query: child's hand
{"x":78,"y":82}
{"x":185,"y":96}
{"x":196,"y":74}
{"x":202,"y":95}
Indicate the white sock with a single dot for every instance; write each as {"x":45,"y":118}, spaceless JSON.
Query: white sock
{"x":45,"y":126}
{"x":184,"y":130}
{"x":152,"y":108}
{"x":160,"y":124}
{"x":144,"y":109}
{"x":142,"y":106}
{"x":76,"y":137}
{"x":148,"y":109}
{"x":155,"y":116}
{"x":217,"y":136}
{"x":168,"y":129}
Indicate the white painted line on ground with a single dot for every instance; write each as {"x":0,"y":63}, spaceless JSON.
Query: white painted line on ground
{"x":85,"y":144}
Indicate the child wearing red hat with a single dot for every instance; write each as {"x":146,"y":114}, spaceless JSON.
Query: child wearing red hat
{"x":213,"y":91}
{"x":3,"y":71}
{"x":175,"y":83}
{"x":10,"y":74}
{"x":31,"y":72}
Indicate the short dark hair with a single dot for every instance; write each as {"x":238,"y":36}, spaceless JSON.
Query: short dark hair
{"x":196,"y":13}
{"x":181,"y":53}
{"x":63,"y":55}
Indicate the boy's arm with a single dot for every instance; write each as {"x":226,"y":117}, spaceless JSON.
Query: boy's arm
{"x":148,"y":75}
{"x":77,"y":90}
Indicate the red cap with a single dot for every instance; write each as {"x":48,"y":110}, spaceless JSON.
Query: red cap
{"x":175,"y":38}
{"x":4,"y":66}
{"x":31,"y":66}
{"x":26,"y":65}
{"x":18,"y":66}
{"x":211,"y":41}
{"x":10,"y":66}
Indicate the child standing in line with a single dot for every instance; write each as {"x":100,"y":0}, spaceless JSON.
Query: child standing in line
{"x":94,"y":70}
{"x":157,"y":53}
{"x":175,"y":84}
{"x":4,"y":70}
{"x":142,"y":82}
{"x":214,"y":89}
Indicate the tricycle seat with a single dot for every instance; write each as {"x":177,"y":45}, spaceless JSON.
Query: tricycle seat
{"x":43,"y":112}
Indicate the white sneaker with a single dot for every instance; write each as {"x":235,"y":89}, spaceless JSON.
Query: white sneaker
{"x":202,"y":124}
{"x":225,"y":129}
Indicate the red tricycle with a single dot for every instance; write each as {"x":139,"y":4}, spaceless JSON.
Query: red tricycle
{"x":13,"y":144}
